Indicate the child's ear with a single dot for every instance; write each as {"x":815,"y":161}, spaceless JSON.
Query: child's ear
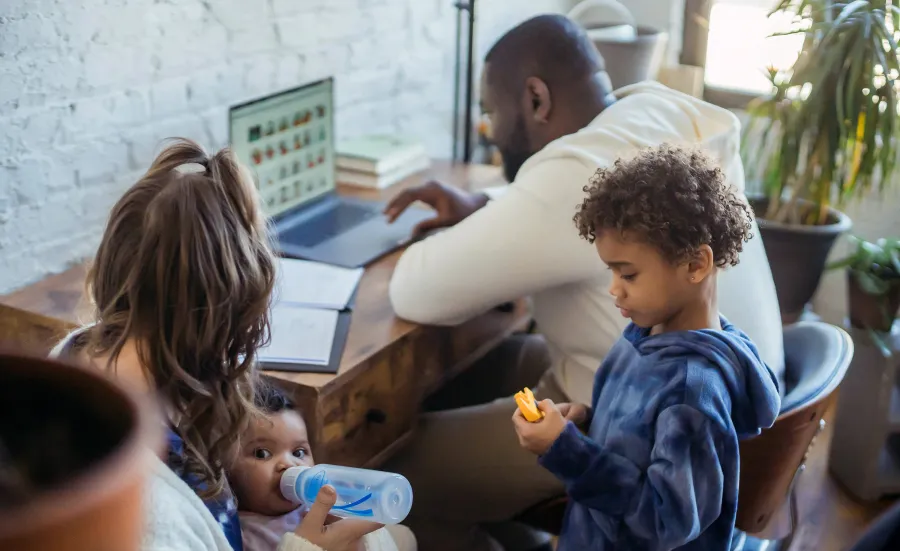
{"x":702,"y":264}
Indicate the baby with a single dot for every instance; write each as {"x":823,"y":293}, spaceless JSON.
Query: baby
{"x":271,"y":446}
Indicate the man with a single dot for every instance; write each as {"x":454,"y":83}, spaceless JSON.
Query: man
{"x":555,"y":121}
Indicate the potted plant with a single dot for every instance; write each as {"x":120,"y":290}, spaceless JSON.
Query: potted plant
{"x":73,"y":457}
{"x":827,"y":135}
{"x":873,"y":283}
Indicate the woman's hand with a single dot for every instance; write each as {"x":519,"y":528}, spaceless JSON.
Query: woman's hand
{"x":331,"y":534}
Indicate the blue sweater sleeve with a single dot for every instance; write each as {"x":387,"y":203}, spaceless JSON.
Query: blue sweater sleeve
{"x":667,"y":504}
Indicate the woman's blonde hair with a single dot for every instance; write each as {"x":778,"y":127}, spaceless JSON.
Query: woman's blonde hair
{"x":185,"y":270}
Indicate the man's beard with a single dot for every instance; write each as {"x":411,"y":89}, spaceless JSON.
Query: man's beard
{"x":517,"y":152}
{"x":512,"y":162}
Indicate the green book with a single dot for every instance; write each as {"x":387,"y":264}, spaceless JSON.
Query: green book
{"x":378,"y":154}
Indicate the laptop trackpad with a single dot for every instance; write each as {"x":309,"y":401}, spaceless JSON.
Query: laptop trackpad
{"x":371,"y":239}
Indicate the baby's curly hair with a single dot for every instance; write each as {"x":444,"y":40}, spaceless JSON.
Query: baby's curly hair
{"x":674,"y":199}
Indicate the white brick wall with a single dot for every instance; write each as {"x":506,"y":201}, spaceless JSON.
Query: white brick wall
{"x":89,"y":88}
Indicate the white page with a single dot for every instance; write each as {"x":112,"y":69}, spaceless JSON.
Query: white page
{"x":300,"y":335}
{"x":315,"y":284}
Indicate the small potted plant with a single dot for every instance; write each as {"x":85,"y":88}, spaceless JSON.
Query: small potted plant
{"x":873,"y":283}
{"x":826,"y":136}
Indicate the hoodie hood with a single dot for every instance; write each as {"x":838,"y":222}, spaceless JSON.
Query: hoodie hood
{"x":647,"y":114}
{"x":755,"y":401}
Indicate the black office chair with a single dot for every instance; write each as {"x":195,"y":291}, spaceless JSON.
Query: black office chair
{"x":817,"y":356}
{"x":883,"y":534}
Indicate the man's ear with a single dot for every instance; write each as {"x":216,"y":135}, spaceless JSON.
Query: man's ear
{"x":702,"y":265}
{"x":538,"y":98}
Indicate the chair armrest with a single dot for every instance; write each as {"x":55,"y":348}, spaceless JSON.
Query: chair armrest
{"x":817,"y":356}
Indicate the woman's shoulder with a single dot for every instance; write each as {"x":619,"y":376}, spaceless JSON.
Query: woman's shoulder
{"x":175,"y":517}
{"x":69,"y":345}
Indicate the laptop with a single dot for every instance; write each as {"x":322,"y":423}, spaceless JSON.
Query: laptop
{"x":287,"y":139}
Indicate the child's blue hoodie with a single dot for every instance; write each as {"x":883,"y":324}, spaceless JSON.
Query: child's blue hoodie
{"x":659,"y":468}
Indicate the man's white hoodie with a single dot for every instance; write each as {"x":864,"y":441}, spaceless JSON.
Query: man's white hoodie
{"x":524,"y":241}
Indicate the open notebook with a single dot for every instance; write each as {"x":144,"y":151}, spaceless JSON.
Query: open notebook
{"x":310,"y":316}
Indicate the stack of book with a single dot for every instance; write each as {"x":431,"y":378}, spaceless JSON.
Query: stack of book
{"x":379,"y":161}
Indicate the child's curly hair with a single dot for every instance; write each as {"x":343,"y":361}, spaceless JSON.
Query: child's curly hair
{"x":675,"y":200}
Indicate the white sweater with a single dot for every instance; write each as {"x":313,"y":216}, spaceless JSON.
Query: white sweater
{"x":524,"y":242}
{"x":177,"y":520}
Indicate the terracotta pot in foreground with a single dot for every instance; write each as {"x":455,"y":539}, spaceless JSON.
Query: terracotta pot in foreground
{"x":74,"y":451}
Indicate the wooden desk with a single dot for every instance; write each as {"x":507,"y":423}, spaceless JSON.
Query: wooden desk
{"x":365,"y":412}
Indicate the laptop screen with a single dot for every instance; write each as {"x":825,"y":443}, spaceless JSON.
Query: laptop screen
{"x":287,"y":141}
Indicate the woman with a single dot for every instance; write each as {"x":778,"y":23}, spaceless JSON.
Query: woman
{"x":181,"y":286}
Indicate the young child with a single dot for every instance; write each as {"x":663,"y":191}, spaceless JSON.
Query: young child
{"x":658,"y":467}
{"x":271,"y":445}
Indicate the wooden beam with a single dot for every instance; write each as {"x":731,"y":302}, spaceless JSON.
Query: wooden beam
{"x":696,"y":32}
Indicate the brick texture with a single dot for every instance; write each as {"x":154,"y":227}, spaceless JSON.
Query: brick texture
{"x":89,"y":88}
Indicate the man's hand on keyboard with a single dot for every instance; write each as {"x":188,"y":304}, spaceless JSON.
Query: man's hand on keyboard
{"x":450,"y":204}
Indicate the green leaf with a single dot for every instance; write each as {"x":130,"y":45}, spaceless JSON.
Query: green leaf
{"x":896,"y":10}
{"x":849,"y":10}
{"x":895,"y":261}
{"x":842,"y":113}
{"x":887,"y":127}
{"x":888,"y":33}
{"x":785,"y":5}
{"x":871,"y":124}
{"x":853,"y":90}
{"x":872,"y":249}
{"x":870,"y":284}
{"x":842,"y":263}
{"x":880,"y":343}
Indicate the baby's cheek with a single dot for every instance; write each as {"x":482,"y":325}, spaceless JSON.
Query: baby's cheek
{"x":246,"y":477}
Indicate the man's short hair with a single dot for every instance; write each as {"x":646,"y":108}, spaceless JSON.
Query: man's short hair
{"x":550,"y":47}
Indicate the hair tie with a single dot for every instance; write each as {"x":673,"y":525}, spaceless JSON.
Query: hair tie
{"x":194,"y":167}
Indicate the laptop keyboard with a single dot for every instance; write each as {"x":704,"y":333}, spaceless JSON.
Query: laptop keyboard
{"x":324,"y":226}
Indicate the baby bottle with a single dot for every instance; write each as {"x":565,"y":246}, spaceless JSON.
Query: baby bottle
{"x":377,"y":496}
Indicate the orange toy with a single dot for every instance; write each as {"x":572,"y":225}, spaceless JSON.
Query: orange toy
{"x":528,"y":406}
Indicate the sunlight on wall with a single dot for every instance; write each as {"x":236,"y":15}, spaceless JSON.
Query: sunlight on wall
{"x":740,"y":47}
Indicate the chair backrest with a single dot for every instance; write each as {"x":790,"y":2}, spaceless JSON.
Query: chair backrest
{"x":30,"y":332}
{"x":816,"y":358}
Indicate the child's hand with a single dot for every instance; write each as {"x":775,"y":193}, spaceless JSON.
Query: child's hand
{"x":579,"y":414}
{"x":539,"y":436}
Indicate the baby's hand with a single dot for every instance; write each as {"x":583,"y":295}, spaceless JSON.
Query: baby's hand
{"x":537,"y":437}
{"x":318,"y":528}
